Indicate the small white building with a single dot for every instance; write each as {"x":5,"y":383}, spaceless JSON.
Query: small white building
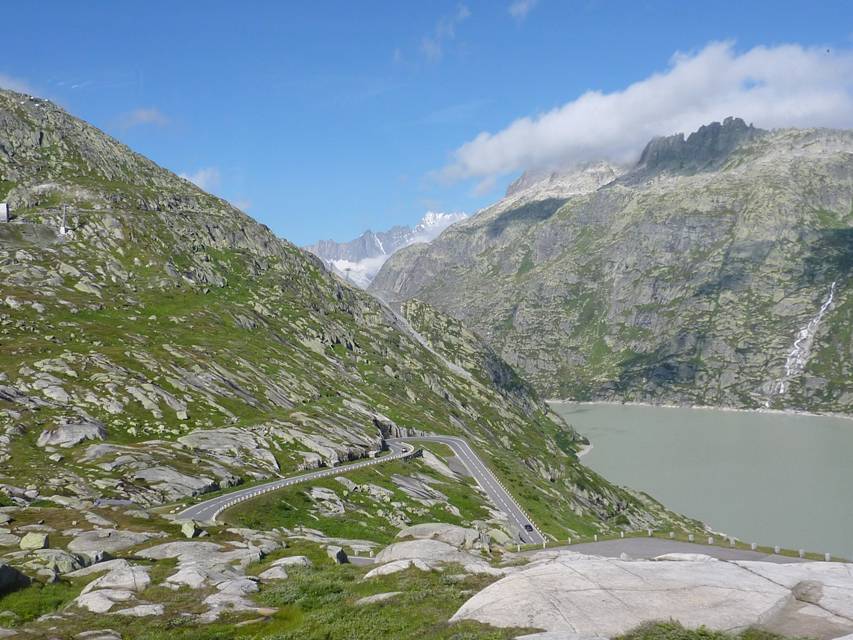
{"x":4,"y":212}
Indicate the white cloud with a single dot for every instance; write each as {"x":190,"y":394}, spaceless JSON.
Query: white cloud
{"x":360,"y":272}
{"x":142,"y":116}
{"x":242,"y":205}
{"x":486,"y":185}
{"x":520,"y":8}
{"x":14,"y":84}
{"x":780,"y":86}
{"x":207,"y":178}
{"x":432,"y":45}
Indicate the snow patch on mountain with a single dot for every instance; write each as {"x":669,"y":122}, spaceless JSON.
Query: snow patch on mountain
{"x":359,"y":260}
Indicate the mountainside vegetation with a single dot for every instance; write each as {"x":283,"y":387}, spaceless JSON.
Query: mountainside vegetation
{"x":158,"y":345}
{"x":164,"y":344}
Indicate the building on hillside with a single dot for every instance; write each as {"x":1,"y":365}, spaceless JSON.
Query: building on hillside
{"x":4,"y":212}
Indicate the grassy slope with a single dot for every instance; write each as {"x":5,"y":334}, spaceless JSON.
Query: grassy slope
{"x":189,"y":289}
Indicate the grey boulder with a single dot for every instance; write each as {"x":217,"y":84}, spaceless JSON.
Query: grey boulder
{"x":34,"y":540}
{"x":68,"y":435}
{"x":100,"y":541}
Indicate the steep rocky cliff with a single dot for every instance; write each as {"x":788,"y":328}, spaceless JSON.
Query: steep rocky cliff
{"x":716,"y":271}
{"x":159,"y":344}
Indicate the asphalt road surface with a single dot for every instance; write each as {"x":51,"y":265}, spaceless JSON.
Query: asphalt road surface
{"x":653,"y":547}
{"x":209,"y":510}
{"x":496,"y":492}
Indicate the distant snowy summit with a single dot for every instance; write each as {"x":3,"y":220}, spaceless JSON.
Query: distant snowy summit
{"x":359,"y":260}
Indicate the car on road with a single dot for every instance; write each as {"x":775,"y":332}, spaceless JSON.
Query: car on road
{"x":528,"y":527}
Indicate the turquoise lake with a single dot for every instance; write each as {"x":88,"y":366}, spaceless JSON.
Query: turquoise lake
{"x":769,"y":478}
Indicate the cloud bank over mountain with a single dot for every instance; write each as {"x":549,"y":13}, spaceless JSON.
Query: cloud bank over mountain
{"x":782,"y":86}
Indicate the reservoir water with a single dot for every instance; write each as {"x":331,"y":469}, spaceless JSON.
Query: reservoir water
{"x":762,"y":477}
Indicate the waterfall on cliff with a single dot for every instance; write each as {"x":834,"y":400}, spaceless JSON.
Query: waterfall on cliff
{"x":801,"y":350}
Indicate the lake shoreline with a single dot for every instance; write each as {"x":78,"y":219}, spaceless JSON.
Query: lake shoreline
{"x":706,"y":407}
{"x":585,"y":450}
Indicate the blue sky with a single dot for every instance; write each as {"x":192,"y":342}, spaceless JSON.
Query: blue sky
{"x":323,"y":119}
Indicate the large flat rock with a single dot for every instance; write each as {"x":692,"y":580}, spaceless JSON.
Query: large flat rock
{"x":587,"y":595}
{"x":106,"y":541}
{"x":67,"y":435}
{"x":430,"y":550}
{"x":460,"y":537}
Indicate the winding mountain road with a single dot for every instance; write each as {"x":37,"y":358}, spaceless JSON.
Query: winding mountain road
{"x":209,"y":510}
{"x":493,"y":487}
{"x":400,"y":448}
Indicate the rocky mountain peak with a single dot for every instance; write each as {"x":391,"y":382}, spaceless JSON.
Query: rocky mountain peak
{"x":704,"y":149}
{"x":359,"y":260}
{"x":433,"y":219}
{"x":48,"y":156}
{"x":577,"y":178}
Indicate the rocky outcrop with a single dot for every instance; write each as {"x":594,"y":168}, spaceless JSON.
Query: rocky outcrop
{"x":705,"y":149}
{"x":209,"y":565}
{"x":292,"y":561}
{"x":544,"y":184}
{"x":570,"y":593}
{"x":68,"y":435}
{"x":174,"y":485}
{"x":48,"y":563}
{"x":459,"y":537}
{"x":118,"y":583}
{"x":395,"y":566}
{"x":430,"y":554}
{"x":431,"y":550}
{"x":100,"y":541}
